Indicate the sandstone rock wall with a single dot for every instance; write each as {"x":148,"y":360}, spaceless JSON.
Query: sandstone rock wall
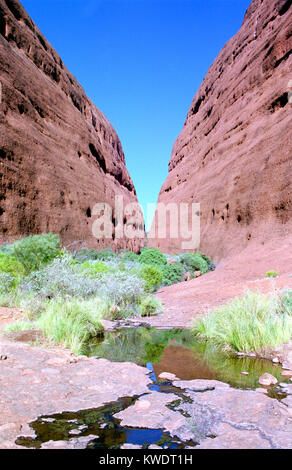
{"x":234,"y":154}
{"x":59,"y":155}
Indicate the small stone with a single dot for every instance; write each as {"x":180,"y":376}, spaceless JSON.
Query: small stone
{"x":261,"y":390}
{"x":168,"y":376}
{"x":287,"y":365}
{"x":54,"y":445}
{"x":276,"y":360}
{"x":73,"y":360}
{"x":267,"y":380}
{"x":197,"y":273}
{"x":131,"y":446}
{"x":287,"y":373}
{"x":244,"y":373}
{"x":283,"y":385}
{"x":75,"y":432}
{"x":187,"y":277}
{"x":3,"y":357}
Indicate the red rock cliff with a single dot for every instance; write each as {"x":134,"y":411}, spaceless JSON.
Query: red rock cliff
{"x":59,"y":155}
{"x":234,"y":154}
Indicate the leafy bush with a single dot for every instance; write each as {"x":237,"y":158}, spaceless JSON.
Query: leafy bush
{"x":153,"y":257}
{"x":86,"y":255}
{"x":194,"y":262}
{"x":249,"y":323}
{"x":105,"y":255}
{"x":152,"y":276}
{"x":37,"y":250}
{"x":272,"y":274}
{"x":130,"y":256}
{"x":7,"y":249}
{"x":121,"y":288}
{"x":211,"y":265}
{"x":33,"y":305}
{"x":93,"y":271}
{"x":150,"y":306}
{"x":11,"y":272}
{"x":61,"y":278}
{"x":7,"y":283}
{"x":172,"y":274}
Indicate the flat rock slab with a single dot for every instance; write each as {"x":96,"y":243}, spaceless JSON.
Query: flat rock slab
{"x":152,"y":412}
{"x":36,"y":382}
{"x":201,"y":413}
{"x":234,"y":418}
{"x":212,"y":415}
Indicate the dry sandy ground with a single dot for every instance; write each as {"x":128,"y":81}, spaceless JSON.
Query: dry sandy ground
{"x":232,"y":278}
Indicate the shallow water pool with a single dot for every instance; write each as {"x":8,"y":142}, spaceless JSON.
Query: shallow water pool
{"x":180,"y":353}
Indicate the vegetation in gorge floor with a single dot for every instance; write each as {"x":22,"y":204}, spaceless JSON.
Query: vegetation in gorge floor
{"x":252,"y":323}
{"x":66,"y":295}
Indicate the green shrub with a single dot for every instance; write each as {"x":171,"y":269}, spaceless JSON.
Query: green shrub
{"x":272,"y":274}
{"x":153,"y":257}
{"x":11,"y":271}
{"x":122,"y":289}
{"x":172,"y":274}
{"x":250,"y":323}
{"x":7,"y":249}
{"x":61,"y":278}
{"x":150,"y":306}
{"x":86,"y":255}
{"x":106,"y":255}
{"x":37,"y":250}
{"x":211,"y":265}
{"x":152,"y":276}
{"x":194,"y":262}
{"x":130,"y":256}
{"x":93,"y":271}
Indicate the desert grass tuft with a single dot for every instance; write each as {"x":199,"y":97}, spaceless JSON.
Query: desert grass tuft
{"x":252,"y":323}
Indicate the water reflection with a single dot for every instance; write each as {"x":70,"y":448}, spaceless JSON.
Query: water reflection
{"x":179,"y":352}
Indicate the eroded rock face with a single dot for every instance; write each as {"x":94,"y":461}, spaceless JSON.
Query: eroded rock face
{"x":234,"y":155}
{"x":59,"y":155}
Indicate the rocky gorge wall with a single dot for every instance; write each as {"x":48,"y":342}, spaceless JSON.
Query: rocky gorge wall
{"x":234,"y":154}
{"x":59,"y":155}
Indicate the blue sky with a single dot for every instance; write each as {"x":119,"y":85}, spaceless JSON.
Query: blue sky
{"x":141,"y":62}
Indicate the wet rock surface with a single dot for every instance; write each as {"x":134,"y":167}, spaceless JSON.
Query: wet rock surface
{"x":210,"y":415}
{"x":36,"y":382}
{"x":53,"y":400}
